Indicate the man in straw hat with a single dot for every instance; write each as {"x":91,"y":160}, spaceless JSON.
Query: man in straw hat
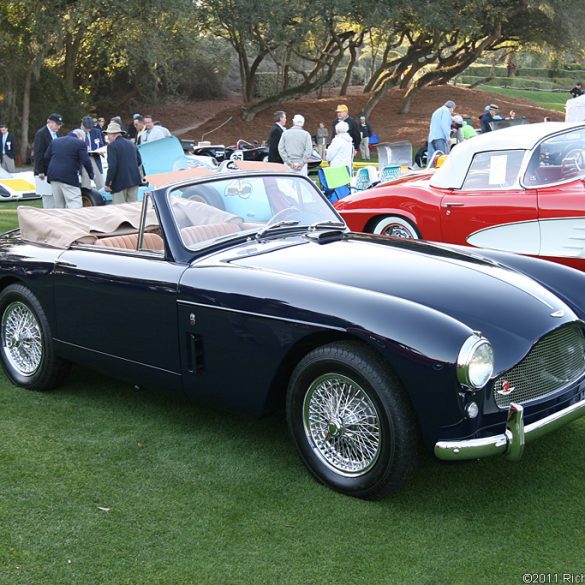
{"x":123,"y":177}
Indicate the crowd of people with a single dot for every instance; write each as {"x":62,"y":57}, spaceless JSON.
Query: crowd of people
{"x":293,"y":146}
{"x":64,"y":165}
{"x":448,"y":129}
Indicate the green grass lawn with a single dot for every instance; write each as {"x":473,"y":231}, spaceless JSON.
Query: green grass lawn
{"x":544,"y":99}
{"x":104,"y":485}
{"x":8,"y":220}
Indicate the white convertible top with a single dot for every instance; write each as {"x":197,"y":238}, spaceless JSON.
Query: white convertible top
{"x":62,"y":227}
{"x":451,"y":174}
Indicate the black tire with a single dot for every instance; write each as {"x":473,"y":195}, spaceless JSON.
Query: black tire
{"x":26,"y":346}
{"x":205,"y":195}
{"x":91,"y":197}
{"x":371,"y":446}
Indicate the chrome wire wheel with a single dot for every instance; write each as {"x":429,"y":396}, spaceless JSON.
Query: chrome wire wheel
{"x":21,"y":339}
{"x":342,"y":424}
{"x":397,"y":231}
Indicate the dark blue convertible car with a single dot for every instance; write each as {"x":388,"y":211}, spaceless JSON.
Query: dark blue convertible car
{"x":246,"y":290}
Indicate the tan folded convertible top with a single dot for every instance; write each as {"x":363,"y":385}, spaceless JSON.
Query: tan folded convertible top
{"x":62,"y":227}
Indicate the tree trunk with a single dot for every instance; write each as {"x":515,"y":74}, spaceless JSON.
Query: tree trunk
{"x":348,"y":71}
{"x":70,"y":64}
{"x":249,"y":112}
{"x":480,"y":81}
{"x":376,"y":96}
{"x":25,"y":115}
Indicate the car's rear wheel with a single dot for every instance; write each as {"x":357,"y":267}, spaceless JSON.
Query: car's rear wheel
{"x":397,"y":227}
{"x":26,"y":346}
{"x":351,"y":421}
{"x":91,"y":197}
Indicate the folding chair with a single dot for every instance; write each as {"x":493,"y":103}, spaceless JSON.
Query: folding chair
{"x":364,"y":178}
{"x":335,"y":182}
{"x":389,"y":173}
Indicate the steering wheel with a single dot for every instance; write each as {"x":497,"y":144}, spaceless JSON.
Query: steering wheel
{"x":283,"y":214}
{"x":574,"y":161}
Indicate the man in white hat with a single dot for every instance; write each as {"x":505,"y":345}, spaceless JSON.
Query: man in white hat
{"x":123,"y":177}
{"x":489,"y":115}
{"x":295,"y":146}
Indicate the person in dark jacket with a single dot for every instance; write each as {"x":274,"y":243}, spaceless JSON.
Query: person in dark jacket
{"x":274,"y":137}
{"x":7,"y":149}
{"x":43,"y":138}
{"x":65,"y":157}
{"x":487,"y":117}
{"x":577,"y":90}
{"x":94,"y":139}
{"x":354,"y":127}
{"x":123,"y":177}
{"x":365,"y":133}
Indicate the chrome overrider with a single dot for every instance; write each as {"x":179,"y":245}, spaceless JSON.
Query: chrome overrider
{"x":510,"y":443}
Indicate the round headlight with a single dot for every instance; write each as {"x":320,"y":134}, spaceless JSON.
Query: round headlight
{"x":475,"y":364}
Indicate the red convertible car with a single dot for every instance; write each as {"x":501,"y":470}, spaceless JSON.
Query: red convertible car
{"x":520,"y":189}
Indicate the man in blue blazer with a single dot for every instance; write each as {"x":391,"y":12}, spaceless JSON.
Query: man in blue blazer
{"x":65,"y":157}
{"x":43,"y":138}
{"x":93,"y":140}
{"x":7,"y":149}
{"x":123,"y":177}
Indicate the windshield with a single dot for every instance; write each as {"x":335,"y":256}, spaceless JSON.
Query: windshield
{"x":251,"y":204}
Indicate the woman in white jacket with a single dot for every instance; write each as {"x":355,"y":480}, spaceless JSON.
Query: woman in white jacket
{"x":340,"y":151}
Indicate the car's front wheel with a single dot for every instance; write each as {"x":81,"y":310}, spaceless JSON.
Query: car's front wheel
{"x":26,"y":346}
{"x":396,"y":227}
{"x":351,"y":421}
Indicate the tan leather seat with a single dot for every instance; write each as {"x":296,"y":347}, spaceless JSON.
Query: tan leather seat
{"x":130,"y":242}
{"x":200,"y":233}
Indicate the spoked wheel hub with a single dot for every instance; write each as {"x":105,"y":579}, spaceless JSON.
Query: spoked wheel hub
{"x":342,"y":424}
{"x":21,"y":338}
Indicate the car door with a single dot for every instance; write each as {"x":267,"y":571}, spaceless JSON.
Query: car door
{"x":117,"y":310}
{"x":561,"y":195}
{"x":561,"y":211}
{"x":492,"y":210}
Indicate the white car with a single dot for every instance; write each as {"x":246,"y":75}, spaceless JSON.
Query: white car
{"x":15,"y":186}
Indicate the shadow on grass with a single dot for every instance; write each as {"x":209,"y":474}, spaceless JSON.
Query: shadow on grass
{"x":437,"y":488}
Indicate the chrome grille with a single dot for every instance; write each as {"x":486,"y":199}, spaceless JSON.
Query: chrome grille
{"x":555,"y":360}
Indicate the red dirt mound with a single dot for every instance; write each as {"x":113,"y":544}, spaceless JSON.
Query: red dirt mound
{"x":195,"y":119}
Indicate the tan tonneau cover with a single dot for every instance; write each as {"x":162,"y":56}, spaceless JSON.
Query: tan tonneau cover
{"x":62,"y":227}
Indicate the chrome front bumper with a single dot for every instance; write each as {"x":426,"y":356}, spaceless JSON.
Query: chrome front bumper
{"x":511,"y":443}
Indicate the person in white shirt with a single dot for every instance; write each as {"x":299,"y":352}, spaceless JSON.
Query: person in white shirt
{"x":340,"y":151}
{"x":151,"y":131}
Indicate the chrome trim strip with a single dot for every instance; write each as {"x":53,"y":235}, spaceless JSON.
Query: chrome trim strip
{"x":261,"y":315}
{"x":511,"y":442}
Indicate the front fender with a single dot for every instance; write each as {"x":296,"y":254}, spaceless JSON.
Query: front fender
{"x":565,"y":282}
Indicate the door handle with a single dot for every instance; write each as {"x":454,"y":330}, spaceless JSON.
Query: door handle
{"x":457,"y":204}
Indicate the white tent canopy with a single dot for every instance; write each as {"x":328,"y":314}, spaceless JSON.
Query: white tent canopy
{"x":575,"y":109}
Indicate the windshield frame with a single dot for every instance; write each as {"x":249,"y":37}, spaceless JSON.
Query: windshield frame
{"x":330,"y":214}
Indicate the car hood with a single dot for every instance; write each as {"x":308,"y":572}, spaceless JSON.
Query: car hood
{"x":485,"y":296}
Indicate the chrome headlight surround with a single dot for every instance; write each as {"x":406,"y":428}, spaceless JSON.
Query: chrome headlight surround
{"x":475,"y":363}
